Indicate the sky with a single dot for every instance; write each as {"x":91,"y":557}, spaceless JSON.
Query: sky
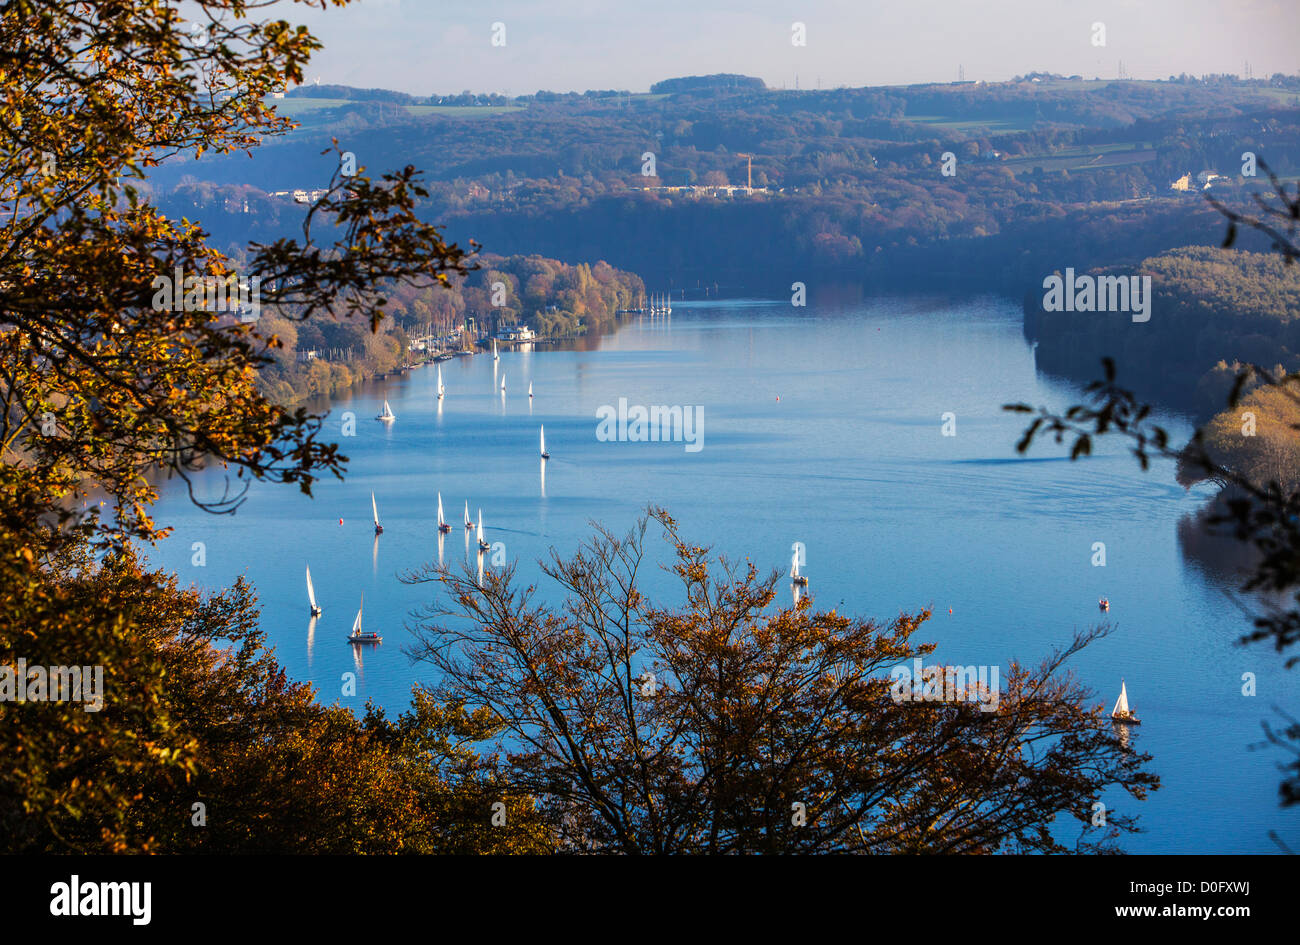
{"x":428,"y":47}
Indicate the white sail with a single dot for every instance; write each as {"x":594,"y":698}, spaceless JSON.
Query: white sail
{"x":311,"y":593}
{"x":441,"y":390}
{"x":467,"y":522}
{"x":503,"y":382}
{"x":388,"y":412}
{"x":440,"y":521}
{"x":356,"y":624}
{"x":542,"y":433}
{"x":374,"y":508}
{"x":480,"y":525}
{"x":1121,"y":704}
{"x":530,"y":388}
{"x":495,"y":356}
{"x":794,"y":565}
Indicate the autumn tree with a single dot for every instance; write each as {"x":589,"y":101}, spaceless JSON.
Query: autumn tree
{"x":107,"y":381}
{"x":203,"y":745}
{"x":103,"y":379}
{"x":728,"y":724}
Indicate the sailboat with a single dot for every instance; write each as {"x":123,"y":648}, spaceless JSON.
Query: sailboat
{"x":379,"y":529}
{"x":795,"y":577}
{"x":360,"y":636}
{"x":503,"y":382}
{"x":443,"y":527}
{"x":495,"y":356}
{"x":542,"y":433}
{"x":530,"y":390}
{"x":441,"y":390}
{"x":482,"y":544}
{"x":468,"y":524}
{"x":311,"y":595}
{"x":1122,"y":713}
{"x":387,"y":415}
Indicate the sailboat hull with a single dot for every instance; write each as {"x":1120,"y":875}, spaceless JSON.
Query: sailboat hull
{"x":365,"y":638}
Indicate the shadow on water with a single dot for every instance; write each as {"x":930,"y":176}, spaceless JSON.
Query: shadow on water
{"x":1212,"y":549}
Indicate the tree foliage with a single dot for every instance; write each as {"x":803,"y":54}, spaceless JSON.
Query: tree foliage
{"x":699,"y":728}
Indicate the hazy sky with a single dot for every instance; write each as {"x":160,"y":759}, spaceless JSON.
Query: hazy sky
{"x":426,"y":47}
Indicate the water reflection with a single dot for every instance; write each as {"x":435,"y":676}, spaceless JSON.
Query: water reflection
{"x":1122,"y":733}
{"x":311,"y":638}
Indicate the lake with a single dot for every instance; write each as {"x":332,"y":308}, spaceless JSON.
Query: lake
{"x":822,"y":425}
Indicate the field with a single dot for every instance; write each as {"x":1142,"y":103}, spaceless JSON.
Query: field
{"x":296,"y":107}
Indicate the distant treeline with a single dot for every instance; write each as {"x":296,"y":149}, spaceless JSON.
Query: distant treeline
{"x":700,"y":83}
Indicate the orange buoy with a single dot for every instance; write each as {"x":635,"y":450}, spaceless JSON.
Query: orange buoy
{"x":340,"y":521}
{"x":949,"y":610}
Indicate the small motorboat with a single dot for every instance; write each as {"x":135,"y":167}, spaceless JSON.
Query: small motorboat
{"x":1103,"y":605}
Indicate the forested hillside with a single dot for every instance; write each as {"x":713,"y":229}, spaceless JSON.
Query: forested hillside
{"x":1211,"y":307}
{"x":903,"y":184}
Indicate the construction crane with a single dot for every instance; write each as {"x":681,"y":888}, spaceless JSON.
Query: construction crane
{"x":749,"y":188}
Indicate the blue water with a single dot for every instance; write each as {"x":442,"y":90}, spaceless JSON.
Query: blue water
{"x":850,"y":460}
